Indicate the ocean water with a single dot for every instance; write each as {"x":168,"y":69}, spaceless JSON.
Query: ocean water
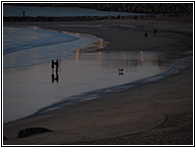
{"x":58,"y":11}
{"x":44,"y":44}
{"x":28,"y":84}
{"x":31,"y":37}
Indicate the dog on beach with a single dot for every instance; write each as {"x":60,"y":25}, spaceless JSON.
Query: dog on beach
{"x":120,"y":71}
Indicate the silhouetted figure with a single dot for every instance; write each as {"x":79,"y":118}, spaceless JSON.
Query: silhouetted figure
{"x":52,"y":77}
{"x":145,"y":34}
{"x":57,"y":65}
{"x":23,"y":13}
{"x":57,"y":77}
{"x":155,"y":32}
{"x":52,"y":65}
{"x":135,"y":18}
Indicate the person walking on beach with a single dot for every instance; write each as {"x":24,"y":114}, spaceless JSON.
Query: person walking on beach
{"x":23,"y":13}
{"x":155,"y":32}
{"x":57,"y":65}
{"x":145,"y":34}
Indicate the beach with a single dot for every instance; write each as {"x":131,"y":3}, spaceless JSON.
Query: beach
{"x":155,"y":113}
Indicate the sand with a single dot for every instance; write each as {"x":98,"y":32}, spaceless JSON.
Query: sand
{"x":156,"y":113}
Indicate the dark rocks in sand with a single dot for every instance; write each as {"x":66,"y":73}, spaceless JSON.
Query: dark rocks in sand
{"x":5,"y":138}
{"x":32,"y":131}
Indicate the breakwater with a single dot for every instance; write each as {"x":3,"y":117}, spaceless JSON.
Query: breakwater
{"x":75,"y":18}
{"x":61,"y":19}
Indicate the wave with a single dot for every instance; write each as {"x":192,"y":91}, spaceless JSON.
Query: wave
{"x":16,"y":39}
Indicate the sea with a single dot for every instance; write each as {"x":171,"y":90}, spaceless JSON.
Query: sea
{"x":31,"y":87}
{"x":9,"y":10}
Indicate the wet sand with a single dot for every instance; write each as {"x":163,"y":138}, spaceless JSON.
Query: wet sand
{"x":82,"y":76}
{"x":156,"y":113}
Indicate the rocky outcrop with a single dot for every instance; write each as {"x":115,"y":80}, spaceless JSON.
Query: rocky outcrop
{"x":158,"y":8}
{"x":32,"y":131}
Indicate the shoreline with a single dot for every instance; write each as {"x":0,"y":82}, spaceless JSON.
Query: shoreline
{"x":102,"y":90}
{"x":96,"y":126}
{"x":84,"y":40}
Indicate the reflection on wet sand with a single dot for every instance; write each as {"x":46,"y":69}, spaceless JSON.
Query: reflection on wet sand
{"x":100,"y":43}
{"x":79,"y":72}
{"x":55,"y":77}
{"x":124,"y":59}
{"x":142,"y":57}
{"x":77,"y":54}
{"x":135,"y":59}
